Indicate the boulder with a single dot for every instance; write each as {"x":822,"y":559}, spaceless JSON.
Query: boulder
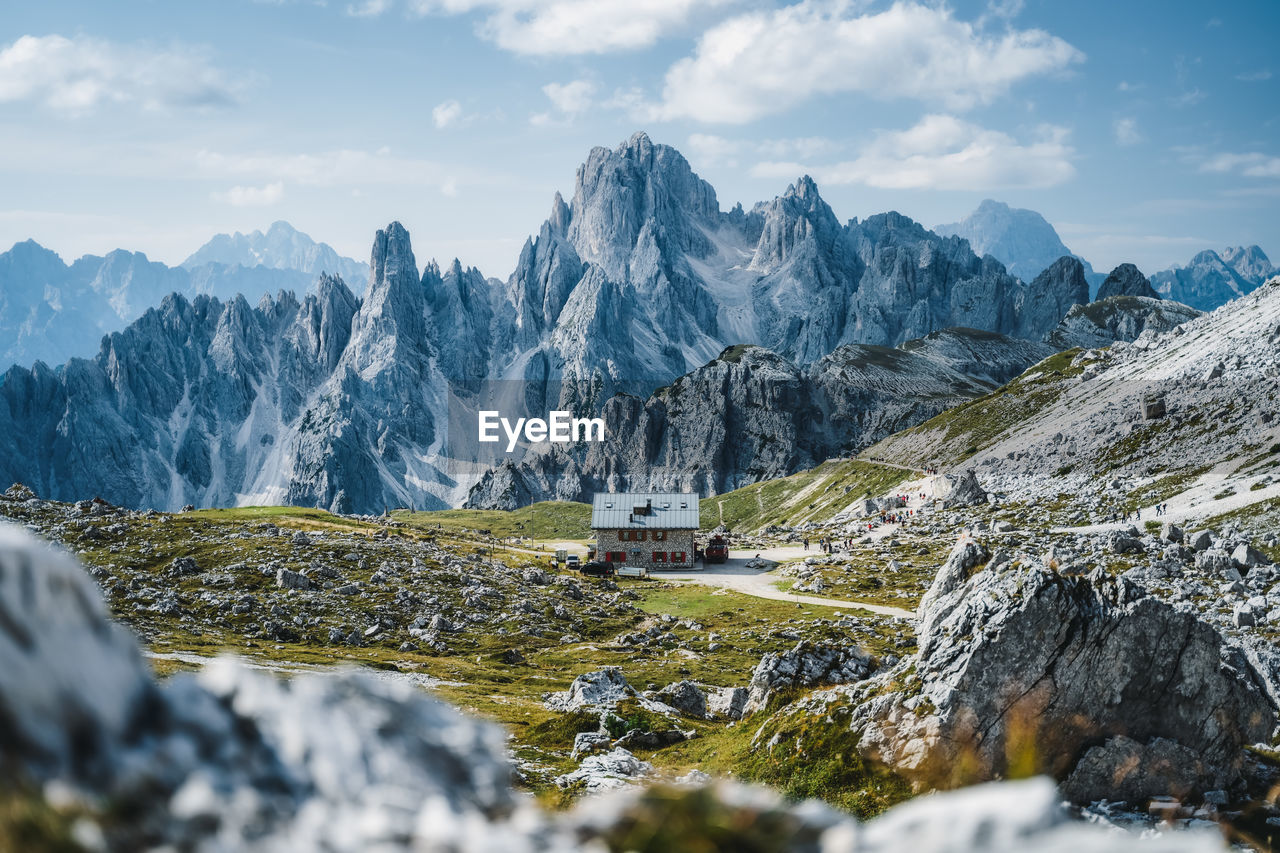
{"x":602,"y":688}
{"x":588,"y":743}
{"x":1217,"y":562}
{"x":1023,"y":667}
{"x":614,"y":769}
{"x":286,"y":579}
{"x":959,"y":490}
{"x":686,"y":698}
{"x":1201,"y":540}
{"x":1123,"y":543}
{"x":1171,"y":532}
{"x":1124,"y":769}
{"x":1246,"y":556}
{"x":805,"y":665}
{"x":728,"y":702}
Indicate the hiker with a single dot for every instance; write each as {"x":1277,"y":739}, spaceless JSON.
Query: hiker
{"x":806,"y":543}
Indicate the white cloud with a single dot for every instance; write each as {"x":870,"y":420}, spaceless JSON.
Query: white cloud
{"x":943,"y":152}
{"x":1253,"y":165}
{"x":344,"y":167}
{"x":369,"y":8}
{"x":571,"y":98}
{"x":762,"y":63}
{"x":251,"y":196}
{"x":1126,"y":131}
{"x":711,"y":150}
{"x":559,"y":27}
{"x":75,"y":75}
{"x":1255,"y":76}
{"x":446,"y":113}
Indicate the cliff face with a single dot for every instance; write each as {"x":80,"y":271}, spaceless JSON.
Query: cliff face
{"x":346,"y":402}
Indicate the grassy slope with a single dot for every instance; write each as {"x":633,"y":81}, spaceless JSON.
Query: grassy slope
{"x":815,"y":494}
{"x":962,"y":431}
{"x":545,"y":520}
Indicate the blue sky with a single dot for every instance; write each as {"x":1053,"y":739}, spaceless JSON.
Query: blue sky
{"x":1144,"y":131}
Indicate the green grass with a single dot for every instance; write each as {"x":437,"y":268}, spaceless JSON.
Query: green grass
{"x":816,"y":756}
{"x":1164,"y":488}
{"x":285,"y":516}
{"x":964,"y":430}
{"x":545,"y":520}
{"x":815,"y":494}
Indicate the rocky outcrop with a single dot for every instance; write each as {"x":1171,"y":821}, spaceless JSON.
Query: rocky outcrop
{"x":1022,"y":669}
{"x":805,"y":665}
{"x":1126,"y":280}
{"x":1050,"y":296}
{"x":1117,"y":318}
{"x":750,"y":415}
{"x":959,"y":490}
{"x":1212,"y":278}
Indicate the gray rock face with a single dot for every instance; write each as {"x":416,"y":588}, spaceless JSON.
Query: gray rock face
{"x":1213,"y":278}
{"x":747,"y":416}
{"x":1025,"y":665}
{"x":1117,"y":318}
{"x":1021,"y":239}
{"x":1051,"y":295}
{"x":344,"y":403}
{"x":1126,"y":280}
{"x":805,"y":665}
{"x":728,"y":702}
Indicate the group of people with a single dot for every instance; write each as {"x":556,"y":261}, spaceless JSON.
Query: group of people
{"x":1136,"y":515}
{"x":827,"y":545}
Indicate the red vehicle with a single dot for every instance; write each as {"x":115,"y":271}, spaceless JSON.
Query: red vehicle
{"x":717,"y":550}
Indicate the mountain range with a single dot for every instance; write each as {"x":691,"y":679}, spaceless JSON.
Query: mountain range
{"x":51,"y":311}
{"x":346,"y":401}
{"x":1214,"y":278}
{"x":1021,"y":239}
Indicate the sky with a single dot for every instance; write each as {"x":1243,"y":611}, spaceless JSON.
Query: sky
{"x":1144,"y":130}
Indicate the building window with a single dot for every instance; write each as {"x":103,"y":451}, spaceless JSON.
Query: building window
{"x":659,"y":556}
{"x":659,"y":535}
{"x":640,"y":535}
{"x":616,"y":556}
{"x":624,"y":535}
{"x":677,"y":556}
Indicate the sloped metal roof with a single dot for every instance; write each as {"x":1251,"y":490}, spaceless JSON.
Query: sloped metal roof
{"x":669,"y":511}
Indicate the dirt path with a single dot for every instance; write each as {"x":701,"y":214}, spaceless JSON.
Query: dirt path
{"x":1195,"y":504}
{"x":734,"y":575}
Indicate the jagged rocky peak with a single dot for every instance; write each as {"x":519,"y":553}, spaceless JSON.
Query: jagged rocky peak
{"x":1126,"y":280}
{"x":1051,"y":295}
{"x":1250,"y":262}
{"x":621,"y":191}
{"x":790,"y":221}
{"x":558,"y":222}
{"x":391,"y":260}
